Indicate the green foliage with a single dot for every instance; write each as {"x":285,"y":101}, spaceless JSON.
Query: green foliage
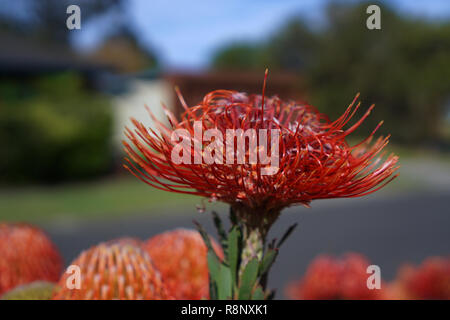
{"x":53,"y":129}
{"x":284,"y":48}
{"x":214,"y":267}
{"x":44,"y":18}
{"x":402,"y":68}
{"x":267,"y":261}
{"x":258,"y":294}
{"x":38,"y":290}
{"x":234,"y":251}
{"x":225,"y":284}
{"x":248,"y":279}
{"x":229,"y":278}
{"x":240,"y":56}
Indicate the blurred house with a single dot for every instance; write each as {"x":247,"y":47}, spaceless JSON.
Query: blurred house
{"x":131,"y":96}
{"x":25,"y":58}
{"x":122,"y":51}
{"x":112,"y":67}
{"x":194,"y":86}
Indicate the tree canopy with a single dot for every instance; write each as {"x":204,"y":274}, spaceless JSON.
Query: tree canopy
{"x":404,"y":68}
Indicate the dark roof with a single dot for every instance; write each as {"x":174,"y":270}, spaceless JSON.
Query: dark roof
{"x":194,"y":85}
{"x":22,"y":55}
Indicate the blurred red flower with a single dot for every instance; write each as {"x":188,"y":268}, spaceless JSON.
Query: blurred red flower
{"x":328,"y":278}
{"x":26,"y":255}
{"x":431,"y":280}
{"x":180,"y":256}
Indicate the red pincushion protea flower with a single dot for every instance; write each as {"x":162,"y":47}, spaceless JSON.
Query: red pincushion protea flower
{"x":309,"y":159}
{"x":180,"y":255}
{"x":118,"y":269}
{"x":315,"y":161}
{"x":431,"y":280}
{"x":329,"y":278}
{"x":26,"y":255}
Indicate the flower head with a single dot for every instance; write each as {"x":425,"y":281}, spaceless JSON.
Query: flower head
{"x":118,"y":269}
{"x":431,"y":280}
{"x":27,"y":255}
{"x":314,"y":159}
{"x":329,"y":278}
{"x":180,"y":255}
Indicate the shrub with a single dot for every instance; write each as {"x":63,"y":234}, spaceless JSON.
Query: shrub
{"x":52,"y":129}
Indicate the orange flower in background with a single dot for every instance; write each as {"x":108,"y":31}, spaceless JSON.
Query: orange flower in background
{"x":118,"y":269}
{"x":329,"y":278}
{"x":180,"y":255}
{"x":430,"y":280}
{"x":26,"y":255}
{"x":315,"y":160}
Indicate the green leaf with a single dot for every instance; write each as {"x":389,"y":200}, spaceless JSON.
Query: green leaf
{"x":213,"y":262}
{"x":258,"y":294}
{"x":233,"y":217}
{"x":221,"y":232}
{"x":38,"y":290}
{"x":248,"y":279}
{"x":286,"y":234}
{"x":212,"y":290}
{"x":206,"y":238}
{"x":271,"y":295}
{"x":224,"y":284}
{"x":233,"y":252}
{"x":267,"y":261}
{"x":213,"y":267}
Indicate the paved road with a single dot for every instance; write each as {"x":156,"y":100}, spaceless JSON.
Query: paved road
{"x":387,"y":229}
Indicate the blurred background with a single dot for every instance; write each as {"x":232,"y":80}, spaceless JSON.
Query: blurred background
{"x":66,"y":96}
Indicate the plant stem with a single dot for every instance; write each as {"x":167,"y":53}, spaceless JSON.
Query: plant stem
{"x":253,"y":246}
{"x":255,"y":226}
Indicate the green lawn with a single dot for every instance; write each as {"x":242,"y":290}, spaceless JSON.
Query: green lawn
{"x":110,"y":197}
{"x":115,"y":197}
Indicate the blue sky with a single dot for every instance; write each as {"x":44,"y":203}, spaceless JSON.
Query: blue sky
{"x":185,"y":33}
